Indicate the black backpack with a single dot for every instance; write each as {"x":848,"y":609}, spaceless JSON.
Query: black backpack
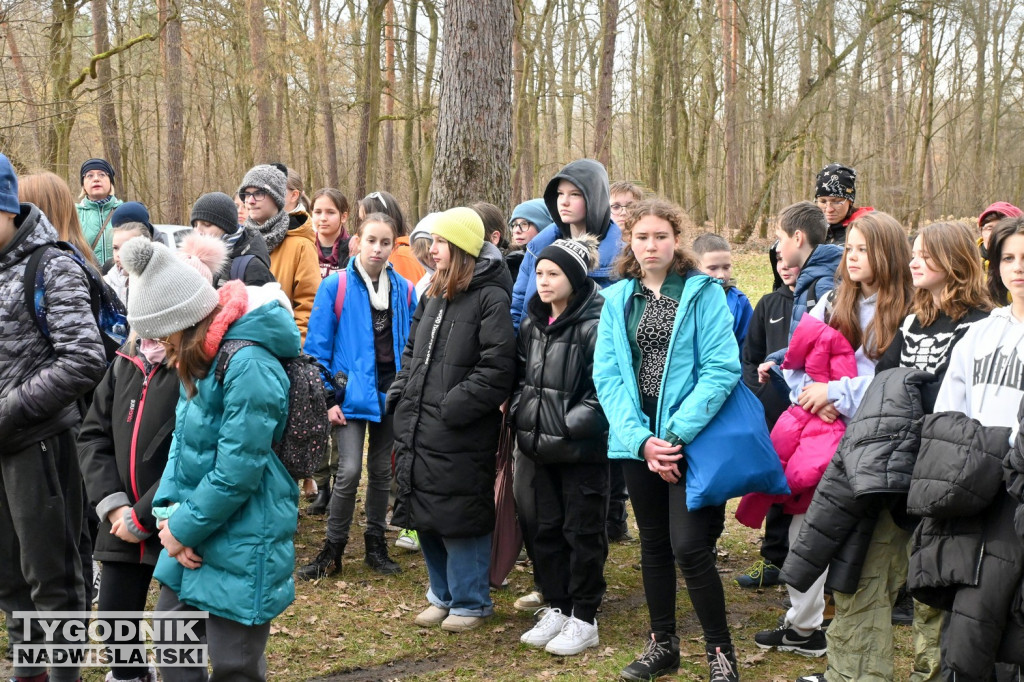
{"x":307,"y":429}
{"x":107,"y":308}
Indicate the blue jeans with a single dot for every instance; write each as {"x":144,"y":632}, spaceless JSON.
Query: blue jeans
{"x":458,"y":569}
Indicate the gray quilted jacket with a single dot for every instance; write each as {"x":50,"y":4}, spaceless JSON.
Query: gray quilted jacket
{"x":40,"y":380}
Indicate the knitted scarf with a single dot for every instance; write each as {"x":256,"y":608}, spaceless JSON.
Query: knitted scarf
{"x":273,"y":231}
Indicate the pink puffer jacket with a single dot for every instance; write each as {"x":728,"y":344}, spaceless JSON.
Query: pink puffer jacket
{"x":805,"y":443}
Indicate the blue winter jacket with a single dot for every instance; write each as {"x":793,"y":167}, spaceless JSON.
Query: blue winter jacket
{"x":238,"y":504}
{"x":820,"y":271}
{"x":526,"y":283}
{"x":690,"y":395}
{"x":742,"y":311}
{"x":348,"y":346}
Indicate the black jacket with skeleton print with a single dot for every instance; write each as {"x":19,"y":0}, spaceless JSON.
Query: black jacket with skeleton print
{"x":927,"y":348}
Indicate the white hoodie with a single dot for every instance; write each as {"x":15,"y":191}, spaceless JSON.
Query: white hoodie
{"x":985,"y":379}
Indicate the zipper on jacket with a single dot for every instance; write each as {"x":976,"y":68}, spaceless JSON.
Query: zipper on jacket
{"x":677,"y":325}
{"x":135,"y":432}
{"x":540,"y":396}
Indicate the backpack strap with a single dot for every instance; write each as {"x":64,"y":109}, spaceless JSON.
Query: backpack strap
{"x":812,"y":294}
{"x":224,"y":355}
{"x":34,"y":288}
{"x":339,"y":299}
{"x":239,"y":265}
{"x":408,"y":295}
{"x":103,"y":228}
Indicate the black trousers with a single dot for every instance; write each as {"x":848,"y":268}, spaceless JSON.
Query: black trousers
{"x":670,"y":535}
{"x":571,"y":546}
{"x":617,"y":498}
{"x":775,"y":545}
{"x":124,"y":588}
{"x":41,"y":503}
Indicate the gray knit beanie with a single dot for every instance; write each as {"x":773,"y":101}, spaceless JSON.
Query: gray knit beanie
{"x":217,"y":209}
{"x":269,"y":178}
{"x":166,"y":294}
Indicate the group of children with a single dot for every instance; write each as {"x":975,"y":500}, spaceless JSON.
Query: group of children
{"x":606,"y":349}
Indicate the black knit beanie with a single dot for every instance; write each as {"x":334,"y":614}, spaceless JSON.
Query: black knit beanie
{"x":217,"y":209}
{"x":571,"y":256}
{"x":95,"y":164}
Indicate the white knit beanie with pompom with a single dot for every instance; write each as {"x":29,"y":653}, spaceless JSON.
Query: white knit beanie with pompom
{"x":165,"y":295}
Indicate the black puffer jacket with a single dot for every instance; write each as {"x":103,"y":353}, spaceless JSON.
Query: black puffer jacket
{"x":871,"y":469}
{"x":966,"y":557}
{"x":123,"y":448}
{"x":41,"y":380}
{"x":558,"y":419}
{"x":457,"y":369}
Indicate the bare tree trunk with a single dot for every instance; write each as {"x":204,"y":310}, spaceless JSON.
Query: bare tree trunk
{"x":108,"y":116}
{"x":175,"y":174}
{"x":730,"y":39}
{"x":389,"y":94}
{"x":366,"y":172}
{"x":324,"y":90}
{"x":411,"y":112}
{"x":474,"y":121}
{"x":261,"y":80}
{"x":606,"y":78}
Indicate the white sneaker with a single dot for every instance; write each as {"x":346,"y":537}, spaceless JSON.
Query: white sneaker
{"x":546,"y":629}
{"x":574,"y":637}
{"x":530,"y":601}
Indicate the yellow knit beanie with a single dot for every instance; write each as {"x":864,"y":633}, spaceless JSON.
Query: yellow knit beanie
{"x":460,"y":226}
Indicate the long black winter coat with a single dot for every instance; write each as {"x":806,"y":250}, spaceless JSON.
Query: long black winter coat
{"x":966,"y":557}
{"x":40,"y":379}
{"x":872,"y":468}
{"x":457,"y":369}
{"x":558,"y":419}
{"x":123,"y":448}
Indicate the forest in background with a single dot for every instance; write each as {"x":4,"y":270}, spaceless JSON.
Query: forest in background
{"x":729,"y":107}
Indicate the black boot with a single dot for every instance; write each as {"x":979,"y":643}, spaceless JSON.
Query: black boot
{"x":722,"y":662}
{"x":660,"y":657}
{"x":318,"y":507}
{"x":327,"y":562}
{"x":377,"y":555}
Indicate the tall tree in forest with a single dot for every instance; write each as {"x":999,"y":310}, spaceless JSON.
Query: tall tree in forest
{"x":261,"y":79}
{"x":324,"y":93}
{"x":104,"y":90}
{"x":474,"y":120}
{"x":606,"y":77}
{"x":174,"y":210}
{"x":369,"y":117}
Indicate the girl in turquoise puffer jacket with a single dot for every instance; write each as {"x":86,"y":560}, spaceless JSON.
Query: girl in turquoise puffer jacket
{"x":665,"y":361}
{"x":230,"y":505}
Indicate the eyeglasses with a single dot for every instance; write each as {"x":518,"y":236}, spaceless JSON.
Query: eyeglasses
{"x":379,"y":197}
{"x":831,"y":201}
{"x":521,"y":226}
{"x":258,"y":195}
{"x":619,"y":208}
{"x":96,"y":175}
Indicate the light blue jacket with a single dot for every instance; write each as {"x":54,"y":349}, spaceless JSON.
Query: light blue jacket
{"x":238,"y":506}
{"x":347,"y":345}
{"x":526,"y":283}
{"x":690,"y":395}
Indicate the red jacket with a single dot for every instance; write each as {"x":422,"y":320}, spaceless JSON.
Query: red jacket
{"x":805,"y":443}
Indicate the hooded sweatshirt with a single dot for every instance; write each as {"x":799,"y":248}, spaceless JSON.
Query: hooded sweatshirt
{"x":985,"y":377}
{"x":592,"y":180}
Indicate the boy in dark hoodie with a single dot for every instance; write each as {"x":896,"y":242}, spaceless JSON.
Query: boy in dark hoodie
{"x":769,"y":331}
{"x":577,"y":198}
{"x":41,"y":379}
{"x":801,"y":234}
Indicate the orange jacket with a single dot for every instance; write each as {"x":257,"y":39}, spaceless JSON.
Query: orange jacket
{"x":404,"y":261}
{"x":296,"y":266}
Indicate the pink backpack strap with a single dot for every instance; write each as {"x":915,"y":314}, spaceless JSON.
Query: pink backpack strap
{"x":408,"y":294}
{"x":339,"y":300}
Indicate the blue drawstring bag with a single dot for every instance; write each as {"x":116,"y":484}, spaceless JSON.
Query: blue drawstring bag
{"x":733,"y":455}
